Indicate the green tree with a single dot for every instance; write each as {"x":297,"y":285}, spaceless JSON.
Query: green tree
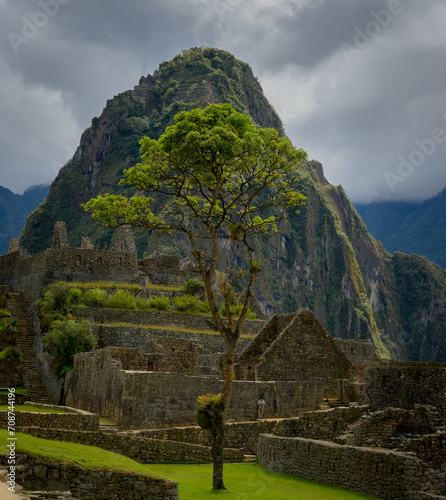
{"x":211,"y":176}
{"x":64,"y":340}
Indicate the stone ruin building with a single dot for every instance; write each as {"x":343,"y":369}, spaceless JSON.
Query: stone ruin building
{"x":148,"y":376}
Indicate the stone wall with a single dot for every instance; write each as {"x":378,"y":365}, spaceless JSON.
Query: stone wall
{"x":383,"y":428}
{"x":304,"y":350}
{"x":431,"y":449}
{"x":139,"y":399}
{"x":268,"y":333}
{"x":382,"y":473}
{"x":359,"y":352}
{"x":326,"y":424}
{"x":127,"y":359}
{"x":138,"y":337}
{"x":403,"y":385}
{"x":30,"y":274}
{"x":24,"y":274}
{"x":168,"y":270}
{"x":179,"y":320}
{"x":81,"y":421}
{"x":238,"y":435}
{"x":40,"y":474}
{"x":178,"y":355}
{"x":19,"y":399}
{"x":137,"y":447}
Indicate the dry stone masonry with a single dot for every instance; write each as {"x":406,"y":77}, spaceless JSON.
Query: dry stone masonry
{"x":388,"y":439}
{"x":143,"y":399}
{"x":91,"y":484}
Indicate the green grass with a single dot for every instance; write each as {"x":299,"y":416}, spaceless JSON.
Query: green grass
{"x":102,"y":284}
{"x":115,"y":284}
{"x":19,"y":389}
{"x":248,"y":481}
{"x":33,"y":409}
{"x":244,"y":481}
{"x":88,"y":457}
{"x":157,"y":327}
{"x":107,"y":421}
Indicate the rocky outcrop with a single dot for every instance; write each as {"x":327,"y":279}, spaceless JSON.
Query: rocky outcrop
{"x":324,"y":259}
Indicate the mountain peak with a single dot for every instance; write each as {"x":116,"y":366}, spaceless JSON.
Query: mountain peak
{"x":323,"y":259}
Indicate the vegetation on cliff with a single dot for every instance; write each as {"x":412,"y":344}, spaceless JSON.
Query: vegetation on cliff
{"x":324,"y":259}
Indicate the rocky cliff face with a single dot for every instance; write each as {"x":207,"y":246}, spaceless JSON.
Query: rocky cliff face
{"x":324,"y":258}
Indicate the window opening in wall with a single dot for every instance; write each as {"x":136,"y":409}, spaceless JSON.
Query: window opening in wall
{"x":351,"y":350}
{"x":120,"y":261}
{"x":78,"y":260}
{"x":99,"y":261}
{"x":150,"y":366}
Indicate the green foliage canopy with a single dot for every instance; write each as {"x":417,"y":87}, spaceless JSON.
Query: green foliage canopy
{"x":212,"y":165}
{"x":212,"y":175}
{"x":64,"y":340}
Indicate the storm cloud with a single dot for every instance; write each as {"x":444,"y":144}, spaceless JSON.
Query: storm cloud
{"x":360,"y":85}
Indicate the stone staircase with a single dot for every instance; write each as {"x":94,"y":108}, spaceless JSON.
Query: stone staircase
{"x":25,"y":338}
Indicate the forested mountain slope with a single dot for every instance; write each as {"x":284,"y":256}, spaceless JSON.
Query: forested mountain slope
{"x":324,"y":258}
{"x":14,"y":209}
{"x":410,"y":227}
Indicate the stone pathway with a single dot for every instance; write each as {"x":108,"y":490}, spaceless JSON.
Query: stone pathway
{"x":18,"y":306}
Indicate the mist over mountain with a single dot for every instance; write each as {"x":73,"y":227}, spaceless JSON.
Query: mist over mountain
{"x":410,"y":227}
{"x":324,"y":258}
{"x":15,"y":208}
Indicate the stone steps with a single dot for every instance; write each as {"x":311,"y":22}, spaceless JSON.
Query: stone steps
{"x":25,"y":339}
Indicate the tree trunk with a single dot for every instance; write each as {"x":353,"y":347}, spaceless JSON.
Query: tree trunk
{"x":217,"y":432}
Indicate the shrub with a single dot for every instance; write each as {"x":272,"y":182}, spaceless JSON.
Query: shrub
{"x":95,"y":297}
{"x":64,"y":340}
{"x":7,"y":322}
{"x":203,"y":307}
{"x":192,"y":286}
{"x":56,"y":299}
{"x":75,"y":296}
{"x":188,"y":303}
{"x":11,"y":352}
{"x":121,"y":299}
{"x":236,"y":310}
{"x":142,"y":304}
{"x":160,"y":302}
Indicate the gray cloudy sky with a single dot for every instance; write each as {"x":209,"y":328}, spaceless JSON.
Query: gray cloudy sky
{"x":361,"y":85}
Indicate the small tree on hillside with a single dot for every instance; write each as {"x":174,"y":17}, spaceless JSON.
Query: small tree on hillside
{"x":215,"y":176}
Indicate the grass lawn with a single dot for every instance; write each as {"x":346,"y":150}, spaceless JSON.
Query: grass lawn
{"x":88,"y":457}
{"x":244,"y":481}
{"x":33,"y":409}
{"x":19,"y":389}
{"x":248,"y":481}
